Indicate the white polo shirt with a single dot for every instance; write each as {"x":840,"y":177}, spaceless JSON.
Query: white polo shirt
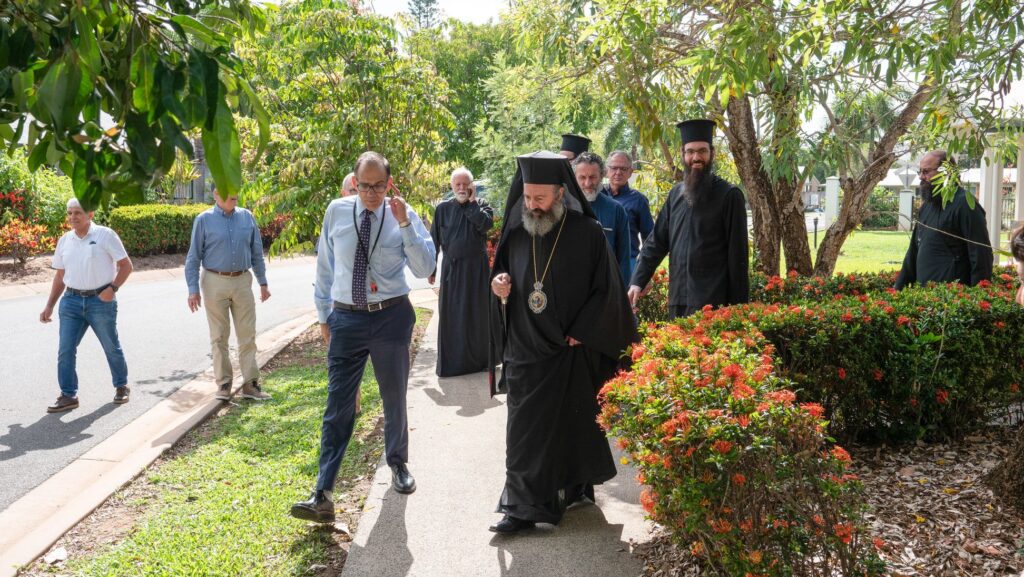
{"x":89,"y":262}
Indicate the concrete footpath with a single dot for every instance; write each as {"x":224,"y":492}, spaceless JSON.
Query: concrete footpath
{"x":457,"y":454}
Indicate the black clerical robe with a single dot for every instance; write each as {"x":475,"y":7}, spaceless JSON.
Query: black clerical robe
{"x":707,"y":247}
{"x":935,"y":256}
{"x":460,"y":232}
{"x":554,"y":444}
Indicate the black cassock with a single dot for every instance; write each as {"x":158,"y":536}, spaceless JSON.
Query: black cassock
{"x":460,"y":231}
{"x":707,"y":248}
{"x":555,"y":449}
{"x":938,"y":257}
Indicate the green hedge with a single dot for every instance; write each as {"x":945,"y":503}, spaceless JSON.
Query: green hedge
{"x":155,"y":228}
{"x":933,"y":362}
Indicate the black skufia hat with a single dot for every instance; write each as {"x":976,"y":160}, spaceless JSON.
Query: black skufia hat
{"x":697,"y":130}
{"x":575,"y":143}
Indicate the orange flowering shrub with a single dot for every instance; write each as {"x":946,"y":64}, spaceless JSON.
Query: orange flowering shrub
{"x":22,"y":241}
{"x":926,"y":362}
{"x":738,"y":469}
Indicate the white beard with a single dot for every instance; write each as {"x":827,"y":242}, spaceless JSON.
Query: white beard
{"x":591,"y":197}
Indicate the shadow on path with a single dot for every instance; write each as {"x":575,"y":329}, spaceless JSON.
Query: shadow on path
{"x":555,"y":550}
{"x":468,"y":392}
{"x":387,"y":541}
{"x":49,"y":432}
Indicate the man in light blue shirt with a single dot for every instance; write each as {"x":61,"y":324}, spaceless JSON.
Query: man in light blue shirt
{"x":226,"y":242}
{"x":362,"y":302}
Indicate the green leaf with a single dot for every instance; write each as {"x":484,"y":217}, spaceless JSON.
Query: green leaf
{"x":52,"y":94}
{"x":142,"y":72}
{"x":38,"y":155}
{"x":220,"y":143}
{"x":262,"y":118}
{"x":199,"y":30}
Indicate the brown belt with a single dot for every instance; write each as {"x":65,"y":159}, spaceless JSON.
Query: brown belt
{"x":222,"y":273}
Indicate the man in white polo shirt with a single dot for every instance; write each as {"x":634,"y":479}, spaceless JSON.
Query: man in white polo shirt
{"x":91,"y":266}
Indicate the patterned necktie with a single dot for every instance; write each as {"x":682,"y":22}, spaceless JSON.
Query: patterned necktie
{"x":362,"y":262}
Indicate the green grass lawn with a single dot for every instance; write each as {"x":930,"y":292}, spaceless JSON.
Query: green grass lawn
{"x":870,"y":250}
{"x":221,"y":508}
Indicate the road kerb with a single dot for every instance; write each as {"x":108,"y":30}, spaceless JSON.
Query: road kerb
{"x":43,"y":515}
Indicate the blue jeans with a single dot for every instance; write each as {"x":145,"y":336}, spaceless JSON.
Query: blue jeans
{"x":77,"y":314}
{"x":383,"y":337}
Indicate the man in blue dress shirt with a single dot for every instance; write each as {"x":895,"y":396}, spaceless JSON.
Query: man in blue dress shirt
{"x":588,"y":168}
{"x":226,"y":242}
{"x":641,"y":223}
{"x":362,"y":301}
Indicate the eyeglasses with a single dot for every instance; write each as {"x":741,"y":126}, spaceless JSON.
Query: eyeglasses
{"x":697,"y":152}
{"x":924,"y":171}
{"x":378,"y":188}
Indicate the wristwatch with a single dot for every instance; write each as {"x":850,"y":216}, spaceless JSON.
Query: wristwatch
{"x":403,"y":224}
{"x":113,"y":287}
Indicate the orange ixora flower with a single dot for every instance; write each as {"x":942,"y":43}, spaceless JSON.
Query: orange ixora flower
{"x":722,"y":446}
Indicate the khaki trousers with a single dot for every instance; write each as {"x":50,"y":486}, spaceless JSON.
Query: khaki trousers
{"x":224,"y":296}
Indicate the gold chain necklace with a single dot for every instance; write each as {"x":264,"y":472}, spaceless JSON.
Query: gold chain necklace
{"x":538,"y":301}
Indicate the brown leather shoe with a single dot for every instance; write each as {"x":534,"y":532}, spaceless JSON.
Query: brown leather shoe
{"x":253,"y":391}
{"x":63,"y":403}
{"x":121,"y":395}
{"x":224,"y":392}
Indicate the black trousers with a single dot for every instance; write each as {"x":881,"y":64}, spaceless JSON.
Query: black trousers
{"x":384,"y":337}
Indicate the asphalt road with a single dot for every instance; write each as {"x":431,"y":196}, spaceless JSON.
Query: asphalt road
{"x":165,"y":346}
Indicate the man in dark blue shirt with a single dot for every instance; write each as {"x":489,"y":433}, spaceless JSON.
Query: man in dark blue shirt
{"x":588,"y":168}
{"x":620,"y":168}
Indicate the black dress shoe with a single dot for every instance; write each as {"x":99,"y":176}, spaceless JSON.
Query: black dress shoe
{"x":317,"y":508}
{"x":121,"y":395}
{"x":401,"y":479}
{"x":510,"y":524}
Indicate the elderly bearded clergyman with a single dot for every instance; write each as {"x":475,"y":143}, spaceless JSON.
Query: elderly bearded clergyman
{"x":565,"y":327}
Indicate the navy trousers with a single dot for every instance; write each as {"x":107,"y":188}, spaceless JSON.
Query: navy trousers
{"x":384,"y":337}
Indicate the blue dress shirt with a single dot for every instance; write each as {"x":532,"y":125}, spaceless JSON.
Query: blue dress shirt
{"x":392,"y":249}
{"x":226,"y":243}
{"x":641,"y":223}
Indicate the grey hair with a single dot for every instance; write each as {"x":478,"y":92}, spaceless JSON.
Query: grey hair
{"x":462,"y":170}
{"x":620,"y":152}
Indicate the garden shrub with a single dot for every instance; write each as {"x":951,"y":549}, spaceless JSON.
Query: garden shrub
{"x":881,"y":210}
{"x":926,"y":362}
{"x":22,"y":241}
{"x":742,"y":475}
{"x":270,"y":230}
{"x":155,"y":228}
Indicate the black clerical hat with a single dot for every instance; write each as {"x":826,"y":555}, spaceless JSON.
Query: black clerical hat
{"x":542,"y":168}
{"x":575,"y":143}
{"x":697,"y":130}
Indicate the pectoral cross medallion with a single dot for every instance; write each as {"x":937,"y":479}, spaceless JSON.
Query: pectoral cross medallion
{"x":538,"y":301}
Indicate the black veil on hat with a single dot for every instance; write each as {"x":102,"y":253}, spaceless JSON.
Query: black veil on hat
{"x":697,"y":130}
{"x":542,"y":167}
{"x":576,"y":143}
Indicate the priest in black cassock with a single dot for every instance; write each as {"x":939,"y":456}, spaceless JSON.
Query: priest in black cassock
{"x":949,"y":243}
{"x":460,"y":231}
{"x":703,"y":229}
{"x":565,"y":325}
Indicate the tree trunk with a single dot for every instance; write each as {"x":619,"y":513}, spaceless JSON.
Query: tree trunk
{"x":1007,"y":479}
{"x":794,"y":228}
{"x":856,"y":190}
{"x":743,"y":143}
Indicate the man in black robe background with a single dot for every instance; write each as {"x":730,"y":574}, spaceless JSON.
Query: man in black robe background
{"x":703,"y":229}
{"x":949,"y":244}
{"x":565,"y":326}
{"x":460,"y":231}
